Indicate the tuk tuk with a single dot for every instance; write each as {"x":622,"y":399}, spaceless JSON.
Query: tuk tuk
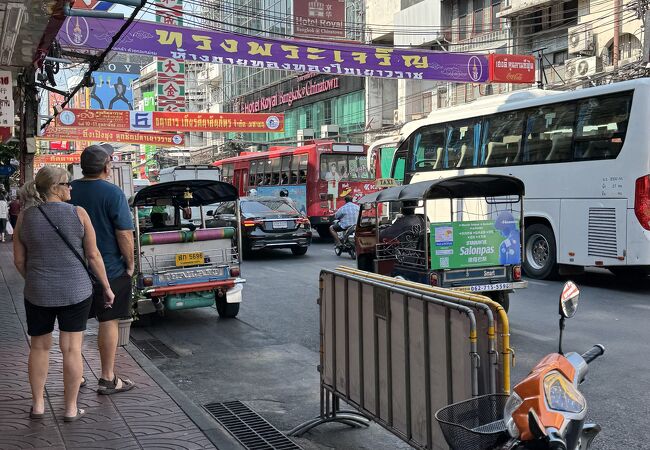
{"x":180,"y":265}
{"x":463,"y":233}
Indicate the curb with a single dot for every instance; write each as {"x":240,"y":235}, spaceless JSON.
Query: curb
{"x":206,"y":423}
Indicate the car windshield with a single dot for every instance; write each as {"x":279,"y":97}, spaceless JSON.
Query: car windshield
{"x":266,"y":207}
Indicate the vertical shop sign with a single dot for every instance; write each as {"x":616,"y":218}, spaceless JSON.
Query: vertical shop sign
{"x":170,"y":85}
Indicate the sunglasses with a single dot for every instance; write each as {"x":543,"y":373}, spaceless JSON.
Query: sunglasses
{"x":65,"y":184}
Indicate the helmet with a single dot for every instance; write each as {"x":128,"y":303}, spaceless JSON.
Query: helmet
{"x":252,"y":193}
{"x":284,"y":193}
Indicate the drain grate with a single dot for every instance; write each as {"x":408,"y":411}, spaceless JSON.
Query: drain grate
{"x":248,"y":427}
{"x":154,"y":348}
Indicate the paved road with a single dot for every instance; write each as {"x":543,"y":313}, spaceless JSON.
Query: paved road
{"x":267,"y":357}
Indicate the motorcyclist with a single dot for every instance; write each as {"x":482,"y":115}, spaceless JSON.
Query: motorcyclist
{"x":347,"y":216}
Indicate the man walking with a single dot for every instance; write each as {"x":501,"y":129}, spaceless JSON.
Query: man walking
{"x":109,"y":213}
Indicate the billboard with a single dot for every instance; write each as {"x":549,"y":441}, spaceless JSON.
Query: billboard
{"x":112,"y":91}
{"x":319,"y":18}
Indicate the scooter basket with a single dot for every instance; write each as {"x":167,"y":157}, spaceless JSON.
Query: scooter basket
{"x":474,"y":424}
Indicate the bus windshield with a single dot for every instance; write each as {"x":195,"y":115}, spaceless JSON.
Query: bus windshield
{"x":344,"y":167}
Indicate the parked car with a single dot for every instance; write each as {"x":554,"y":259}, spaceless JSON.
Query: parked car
{"x":266,"y":222}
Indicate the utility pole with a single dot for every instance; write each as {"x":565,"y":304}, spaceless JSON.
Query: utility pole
{"x":617,"y":32}
{"x":28,"y":124}
{"x":642,"y":13}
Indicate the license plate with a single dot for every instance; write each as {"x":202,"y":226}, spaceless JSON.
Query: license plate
{"x":280,"y":225}
{"x":189,"y":259}
{"x":488,"y":287}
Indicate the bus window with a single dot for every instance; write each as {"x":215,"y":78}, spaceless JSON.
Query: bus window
{"x":502,"y":139}
{"x":601,"y":126}
{"x":252,"y":177}
{"x":358,"y":167}
{"x":554,"y":143}
{"x":275,"y":171}
{"x":285,"y":170}
{"x":386,"y":155}
{"x":427,"y":145}
{"x":461,"y":139}
{"x":333,"y":167}
{"x":302,"y":169}
{"x":399,"y":166}
{"x":293,"y":175}
{"x":267,"y":173}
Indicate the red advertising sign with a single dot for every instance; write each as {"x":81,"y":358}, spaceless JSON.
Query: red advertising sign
{"x":511,"y":68}
{"x":319,"y":18}
{"x":72,"y":158}
{"x":170,"y":121}
{"x":103,"y":135}
{"x":61,"y":146}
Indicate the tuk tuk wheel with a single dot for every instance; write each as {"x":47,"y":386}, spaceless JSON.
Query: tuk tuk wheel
{"x":501,"y":297}
{"x":365,"y":262}
{"x":298,"y":251}
{"x":226,"y":310}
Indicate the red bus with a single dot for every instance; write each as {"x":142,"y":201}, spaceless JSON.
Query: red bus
{"x":317,"y":176}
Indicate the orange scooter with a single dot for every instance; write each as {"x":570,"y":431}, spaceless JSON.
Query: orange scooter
{"x":545,"y":410}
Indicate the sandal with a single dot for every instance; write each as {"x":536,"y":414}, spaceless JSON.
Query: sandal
{"x":80,"y":412}
{"x":33,"y":415}
{"x":83,"y":382}
{"x":107,"y":387}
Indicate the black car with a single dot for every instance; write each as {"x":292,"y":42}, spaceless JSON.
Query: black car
{"x":267,"y":222}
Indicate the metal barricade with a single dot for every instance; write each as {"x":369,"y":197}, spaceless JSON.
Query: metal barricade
{"x":397,"y":354}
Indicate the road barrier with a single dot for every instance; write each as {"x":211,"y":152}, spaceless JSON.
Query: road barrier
{"x":397,"y":353}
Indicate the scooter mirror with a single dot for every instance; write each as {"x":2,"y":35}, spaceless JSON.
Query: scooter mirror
{"x":187,"y":213}
{"x":569,"y":300}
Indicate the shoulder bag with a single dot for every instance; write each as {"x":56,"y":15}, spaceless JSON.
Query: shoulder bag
{"x":97,"y":288}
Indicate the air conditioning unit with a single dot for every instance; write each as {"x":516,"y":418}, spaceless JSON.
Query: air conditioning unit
{"x":396,"y":120}
{"x":581,"y":40}
{"x":577,"y":68}
{"x":327,"y":131}
{"x":304,"y":135}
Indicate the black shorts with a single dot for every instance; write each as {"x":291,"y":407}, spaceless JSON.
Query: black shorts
{"x":71,"y":318}
{"x":337,"y":227}
{"x":121,"y":309}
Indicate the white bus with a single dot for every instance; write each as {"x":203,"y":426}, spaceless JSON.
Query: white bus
{"x":583,"y":155}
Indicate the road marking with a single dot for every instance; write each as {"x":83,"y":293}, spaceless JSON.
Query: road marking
{"x":528,"y":334}
{"x":641,"y":306}
{"x":537,"y":283}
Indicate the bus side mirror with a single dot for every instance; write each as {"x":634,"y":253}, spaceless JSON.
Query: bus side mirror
{"x":210,"y":213}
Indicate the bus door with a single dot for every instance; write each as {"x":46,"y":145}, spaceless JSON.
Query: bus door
{"x":240,"y":180}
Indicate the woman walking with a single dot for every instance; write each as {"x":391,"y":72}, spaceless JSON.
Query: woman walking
{"x":57,"y":283}
{"x":4,"y":215}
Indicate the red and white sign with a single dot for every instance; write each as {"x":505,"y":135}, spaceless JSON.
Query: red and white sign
{"x":511,"y":68}
{"x":104,"y":119}
{"x":55,"y":133}
{"x":319,"y":18}
{"x":85,"y":4}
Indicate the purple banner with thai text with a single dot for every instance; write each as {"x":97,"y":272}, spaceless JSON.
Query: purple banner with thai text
{"x":194,"y":44}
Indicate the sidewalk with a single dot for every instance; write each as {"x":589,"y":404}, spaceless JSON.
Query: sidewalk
{"x":145,"y":417}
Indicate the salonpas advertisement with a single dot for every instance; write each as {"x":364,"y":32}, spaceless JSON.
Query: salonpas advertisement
{"x":478,"y":243}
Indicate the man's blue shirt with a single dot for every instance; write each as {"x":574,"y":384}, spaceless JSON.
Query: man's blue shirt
{"x":347,"y":215}
{"x":108,"y":210}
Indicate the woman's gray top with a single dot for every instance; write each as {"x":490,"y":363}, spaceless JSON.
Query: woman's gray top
{"x":53,"y":274}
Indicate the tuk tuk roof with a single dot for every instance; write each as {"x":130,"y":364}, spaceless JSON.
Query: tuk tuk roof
{"x":463,"y":186}
{"x":204,"y":192}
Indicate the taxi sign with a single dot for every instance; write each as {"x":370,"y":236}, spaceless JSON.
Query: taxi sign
{"x":189,"y":259}
{"x":381,"y":183}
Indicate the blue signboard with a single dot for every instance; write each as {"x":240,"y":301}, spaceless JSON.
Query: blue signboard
{"x":112,"y":91}
{"x":296,"y":193}
{"x":7,"y":171}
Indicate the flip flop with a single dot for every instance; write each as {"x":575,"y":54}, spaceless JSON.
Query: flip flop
{"x":107,"y":387}
{"x":83,"y":382}
{"x":33,"y":415}
{"x":80,"y":412}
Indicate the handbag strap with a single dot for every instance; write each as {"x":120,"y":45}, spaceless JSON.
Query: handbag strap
{"x":64,"y":239}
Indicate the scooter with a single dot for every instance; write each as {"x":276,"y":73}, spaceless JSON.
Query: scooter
{"x":347,"y":242}
{"x":545,"y":410}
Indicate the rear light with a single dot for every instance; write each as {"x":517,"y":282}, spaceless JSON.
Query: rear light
{"x":642,"y":201}
{"x":516,"y":273}
{"x":147,"y":281}
{"x":234,"y":272}
{"x":251,"y":222}
{"x":303,"y":221}
{"x":433,"y":279}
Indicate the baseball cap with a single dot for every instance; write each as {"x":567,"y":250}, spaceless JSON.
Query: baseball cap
{"x":94,"y":158}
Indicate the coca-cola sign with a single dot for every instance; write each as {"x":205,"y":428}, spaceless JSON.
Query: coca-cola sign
{"x":512,"y":68}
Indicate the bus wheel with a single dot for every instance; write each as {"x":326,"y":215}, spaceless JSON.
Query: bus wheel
{"x":501,"y":297}
{"x":539,"y":248}
{"x":226,"y":310}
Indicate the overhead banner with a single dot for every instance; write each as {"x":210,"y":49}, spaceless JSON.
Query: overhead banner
{"x":104,"y":135}
{"x":192,"y":44}
{"x":170,"y":121}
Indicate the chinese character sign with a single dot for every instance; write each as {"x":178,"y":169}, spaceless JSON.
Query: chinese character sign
{"x":192,"y":44}
{"x":6,"y":99}
{"x":319,"y":18}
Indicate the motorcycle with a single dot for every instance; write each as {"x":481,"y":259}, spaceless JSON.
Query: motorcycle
{"x":545,"y":410}
{"x":347,"y":242}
